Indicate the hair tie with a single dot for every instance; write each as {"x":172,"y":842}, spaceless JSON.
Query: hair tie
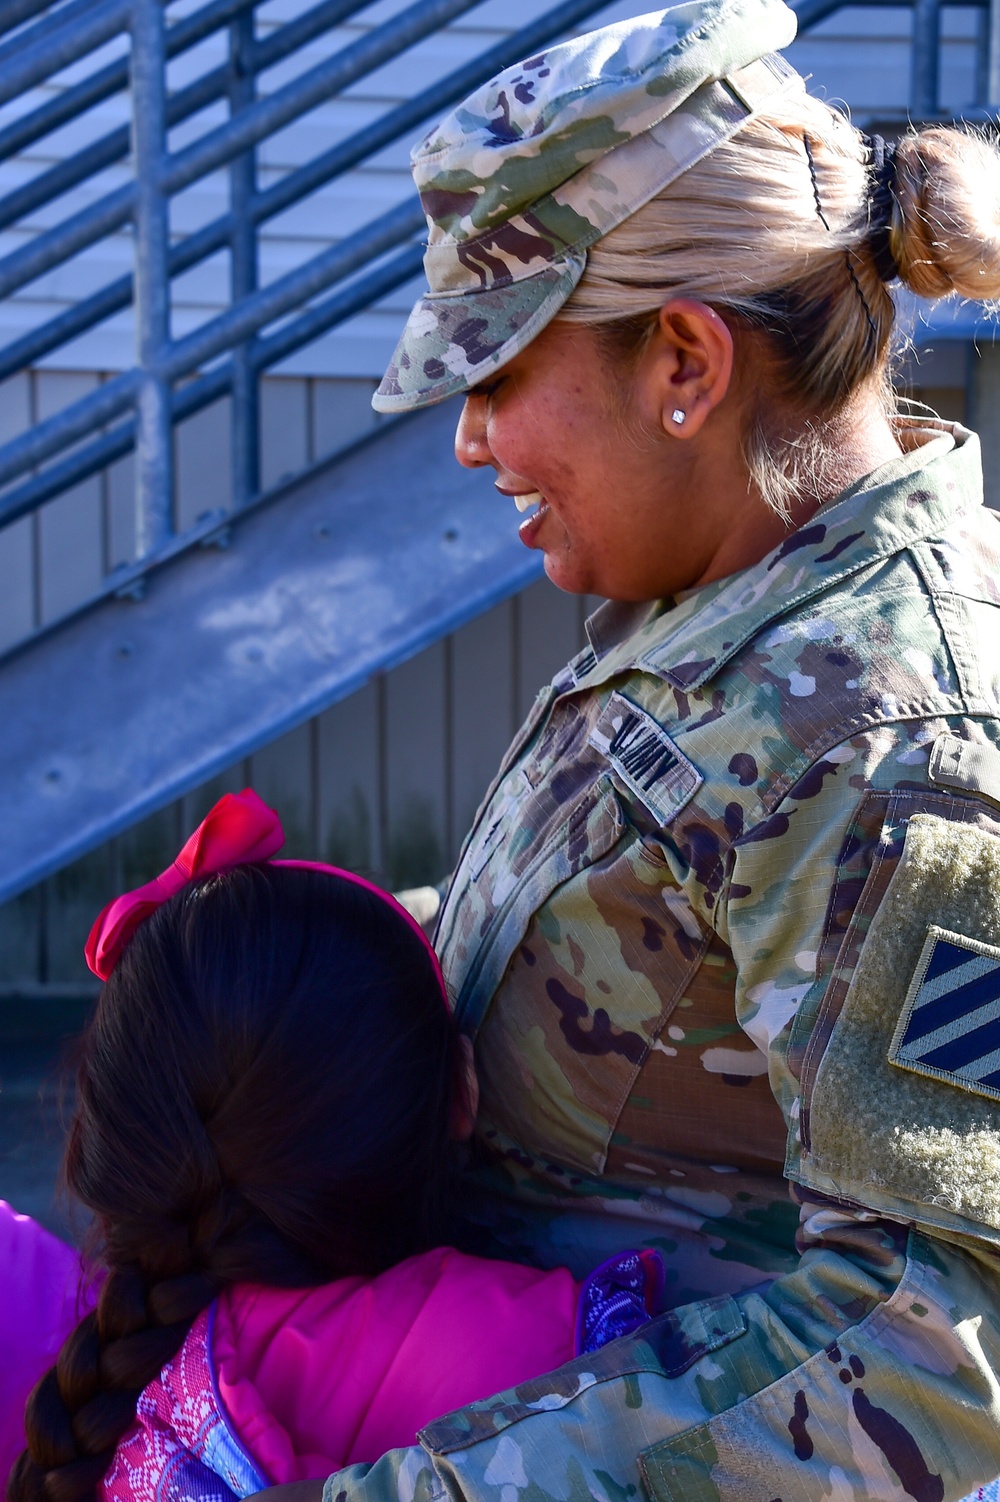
{"x":238,"y":830}
{"x":881,"y":203}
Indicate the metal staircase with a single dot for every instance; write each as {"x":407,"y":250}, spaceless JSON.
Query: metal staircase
{"x":214,"y":639}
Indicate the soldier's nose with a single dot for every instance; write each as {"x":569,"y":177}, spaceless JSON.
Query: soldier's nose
{"x":471,"y":447}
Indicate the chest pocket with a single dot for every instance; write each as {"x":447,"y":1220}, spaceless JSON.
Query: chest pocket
{"x":549,"y":816}
{"x":565,"y":941}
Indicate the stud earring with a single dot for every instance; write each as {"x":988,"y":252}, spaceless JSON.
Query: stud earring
{"x":677,"y":416}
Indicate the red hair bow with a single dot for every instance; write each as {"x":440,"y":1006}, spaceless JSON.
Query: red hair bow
{"x":238,"y":829}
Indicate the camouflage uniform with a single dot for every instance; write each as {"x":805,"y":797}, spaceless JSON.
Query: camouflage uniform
{"x":727,"y":929}
{"x":690,"y":929}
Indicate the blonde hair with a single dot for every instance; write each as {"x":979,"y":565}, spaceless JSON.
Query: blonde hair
{"x":773,"y":228}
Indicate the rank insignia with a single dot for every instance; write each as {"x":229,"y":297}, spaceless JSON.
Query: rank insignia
{"x":950,"y":1024}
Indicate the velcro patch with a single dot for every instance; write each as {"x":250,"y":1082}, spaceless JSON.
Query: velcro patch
{"x":972,"y":766}
{"x":645,"y":758}
{"x":950,"y":1023}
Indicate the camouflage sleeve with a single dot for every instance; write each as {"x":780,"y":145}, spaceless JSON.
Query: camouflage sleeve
{"x":869,"y":1372}
{"x":746,"y":1398}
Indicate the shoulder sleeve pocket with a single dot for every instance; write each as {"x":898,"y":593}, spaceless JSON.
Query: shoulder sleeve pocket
{"x":904,"y":1109}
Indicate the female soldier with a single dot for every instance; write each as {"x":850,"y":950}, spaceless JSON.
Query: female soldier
{"x":731,"y":910}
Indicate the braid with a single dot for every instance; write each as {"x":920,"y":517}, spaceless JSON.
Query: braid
{"x":262,"y":1097}
{"x":84,"y":1404}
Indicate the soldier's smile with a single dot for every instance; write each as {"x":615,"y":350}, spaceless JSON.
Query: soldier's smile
{"x":603,"y":505}
{"x":529,"y":529}
{"x":524,"y":500}
{"x":594,"y":443}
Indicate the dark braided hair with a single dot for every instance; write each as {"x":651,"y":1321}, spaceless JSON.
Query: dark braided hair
{"x":263,"y":1097}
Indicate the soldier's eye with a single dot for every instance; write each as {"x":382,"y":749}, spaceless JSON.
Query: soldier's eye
{"x":486,"y":388}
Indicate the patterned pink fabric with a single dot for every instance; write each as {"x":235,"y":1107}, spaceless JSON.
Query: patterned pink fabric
{"x":277,"y":1386}
{"x":181,"y":1447}
{"x":42,"y":1296}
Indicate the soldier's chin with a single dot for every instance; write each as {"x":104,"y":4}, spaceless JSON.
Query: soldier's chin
{"x":567,"y":571}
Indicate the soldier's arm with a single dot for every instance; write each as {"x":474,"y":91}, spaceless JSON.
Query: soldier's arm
{"x":871,"y":1371}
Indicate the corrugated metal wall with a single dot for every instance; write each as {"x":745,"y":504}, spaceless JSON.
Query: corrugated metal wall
{"x":385,"y":782}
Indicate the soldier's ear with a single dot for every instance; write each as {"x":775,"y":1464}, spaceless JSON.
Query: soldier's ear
{"x":689,"y":365}
{"x":464,"y":1091}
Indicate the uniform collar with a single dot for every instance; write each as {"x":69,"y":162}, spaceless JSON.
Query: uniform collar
{"x":907,"y":500}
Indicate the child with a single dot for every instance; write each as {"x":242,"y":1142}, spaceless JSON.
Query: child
{"x":268,"y":1102}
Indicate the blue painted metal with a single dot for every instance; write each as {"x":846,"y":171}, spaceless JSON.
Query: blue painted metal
{"x":360,"y":293}
{"x":162,"y":362}
{"x":401,"y":121}
{"x":179,"y":357}
{"x":16,"y":12}
{"x":104,"y":82}
{"x":811,"y":12}
{"x":42,"y":49}
{"x":345,"y":573}
{"x":243,"y":273}
{"x":256,"y":309}
{"x":212,"y":85}
{"x":925,"y":58}
{"x":245,"y":645}
{"x":992,"y":70}
{"x":153,"y":443}
{"x":66,"y":427}
{"x":54,"y":246}
{"x":216,"y":147}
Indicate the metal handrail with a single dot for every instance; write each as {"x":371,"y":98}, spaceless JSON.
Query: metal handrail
{"x":113,"y":77}
{"x":141,"y":403}
{"x":265,"y":204}
{"x":321,"y":316}
{"x":16,"y":12}
{"x":180,"y":106}
{"x":178,"y":170}
{"x":49,"y":45}
{"x":179,"y":358}
{"x":239,"y":328}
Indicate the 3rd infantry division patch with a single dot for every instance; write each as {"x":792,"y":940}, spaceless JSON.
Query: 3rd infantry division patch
{"x":950,"y":1023}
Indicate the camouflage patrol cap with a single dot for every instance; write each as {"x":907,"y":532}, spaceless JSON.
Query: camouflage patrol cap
{"x":536,"y":165}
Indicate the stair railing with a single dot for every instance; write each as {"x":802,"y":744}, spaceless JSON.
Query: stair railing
{"x":137,"y":408}
{"x":173,"y":378}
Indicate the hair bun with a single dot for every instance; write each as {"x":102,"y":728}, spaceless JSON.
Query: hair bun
{"x":945,"y":232}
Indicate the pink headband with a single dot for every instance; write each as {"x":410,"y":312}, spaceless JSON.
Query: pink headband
{"x":239,"y":829}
